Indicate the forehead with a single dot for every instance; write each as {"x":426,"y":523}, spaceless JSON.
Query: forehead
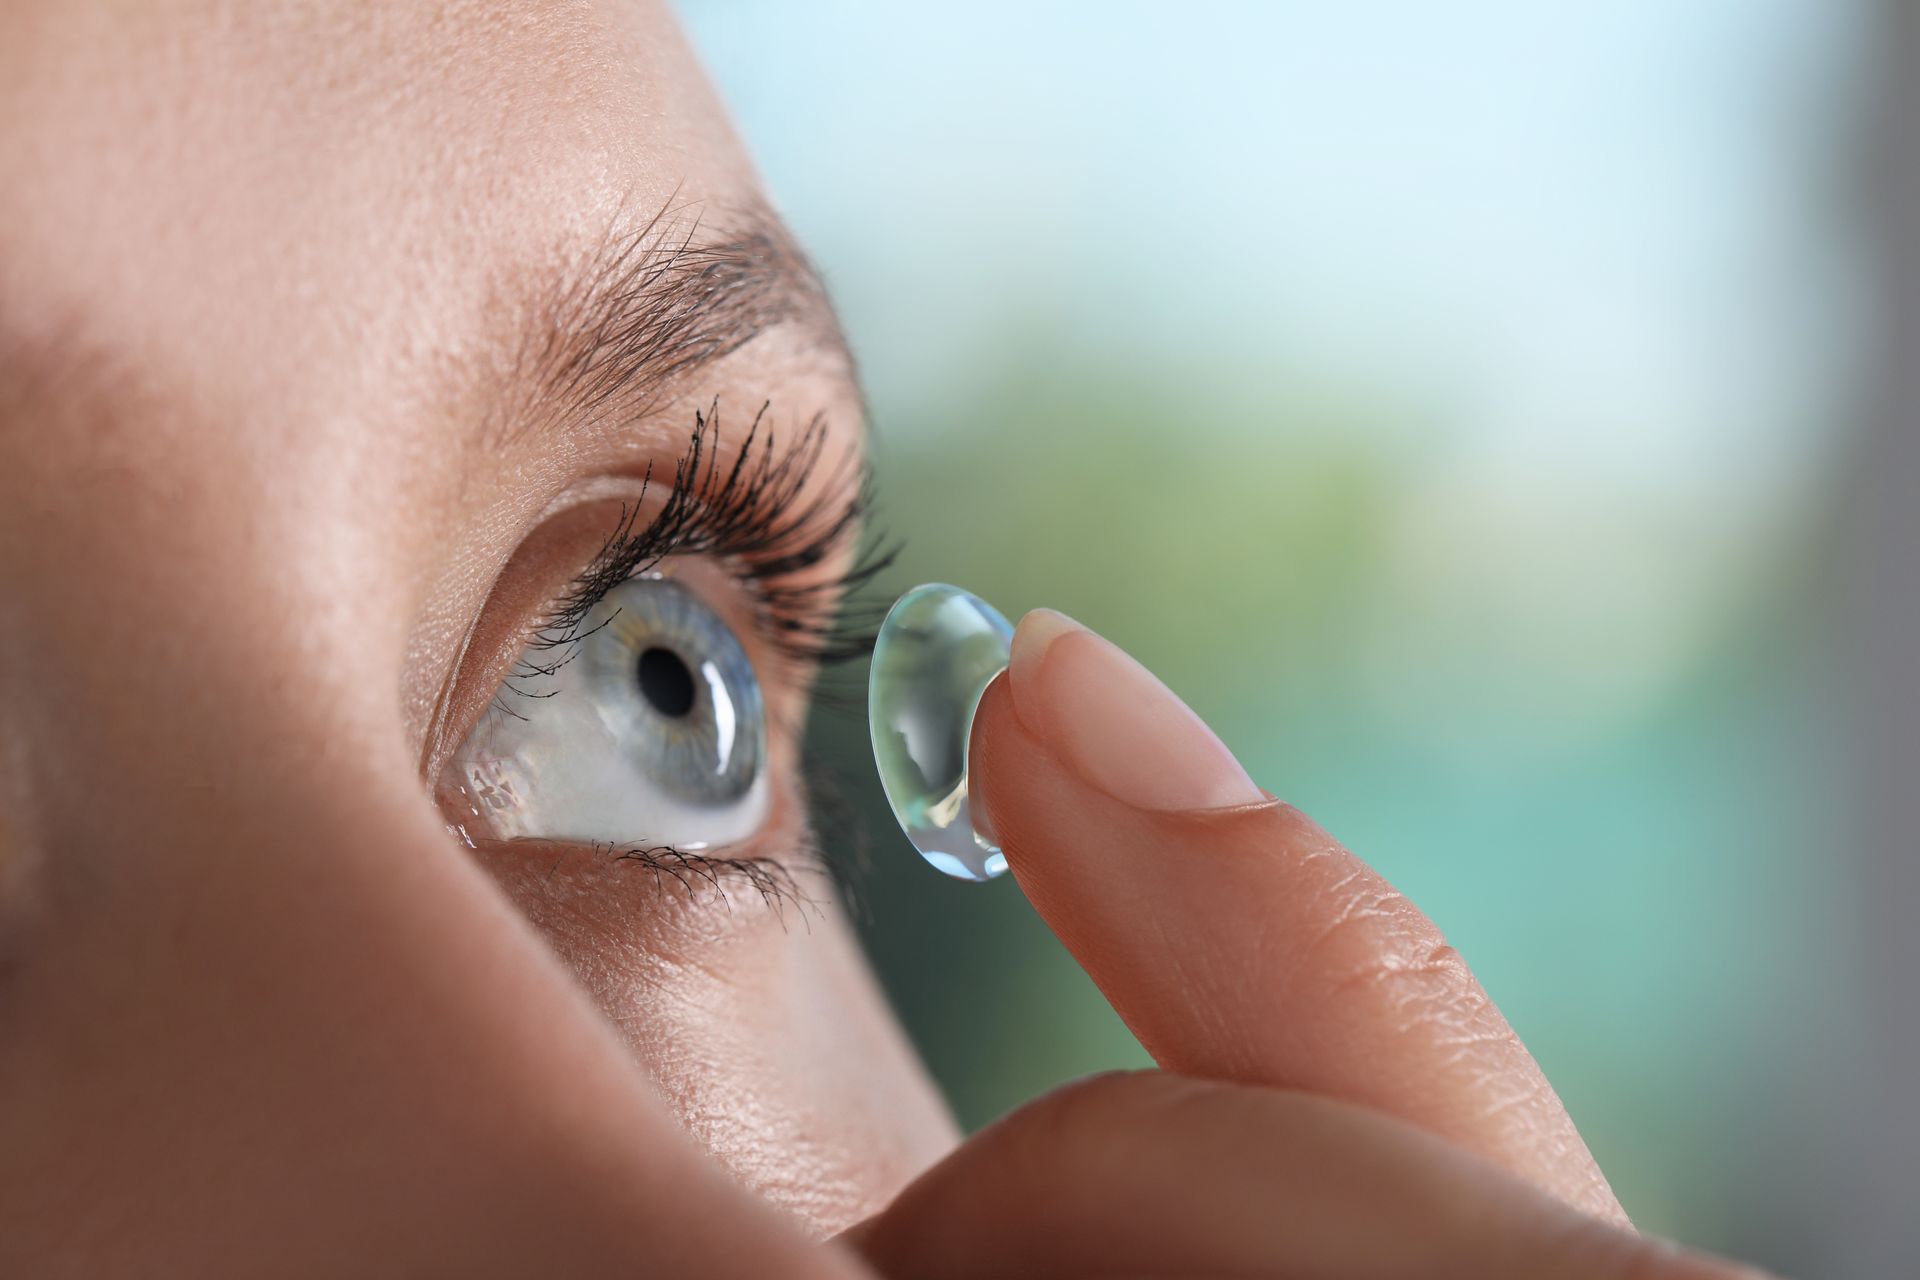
{"x":263,"y":202}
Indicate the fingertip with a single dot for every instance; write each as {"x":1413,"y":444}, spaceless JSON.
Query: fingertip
{"x":1108,"y":720}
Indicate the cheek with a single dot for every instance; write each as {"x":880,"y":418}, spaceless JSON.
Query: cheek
{"x":760,"y":1026}
{"x":787,"y":1066}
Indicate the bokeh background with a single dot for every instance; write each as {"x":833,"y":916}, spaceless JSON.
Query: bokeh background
{"x":1458,"y":405}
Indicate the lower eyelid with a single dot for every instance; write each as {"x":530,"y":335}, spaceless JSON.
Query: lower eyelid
{"x":772,"y":879}
{"x":640,"y":885}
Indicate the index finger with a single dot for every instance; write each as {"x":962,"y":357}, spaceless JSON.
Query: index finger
{"x":1237,"y":939}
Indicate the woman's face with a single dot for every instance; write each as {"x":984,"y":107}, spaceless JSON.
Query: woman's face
{"x":334,"y":348}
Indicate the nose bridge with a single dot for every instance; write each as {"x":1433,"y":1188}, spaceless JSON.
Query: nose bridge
{"x":188,"y":620}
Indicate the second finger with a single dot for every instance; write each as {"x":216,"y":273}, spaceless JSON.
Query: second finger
{"x":1236,"y":938}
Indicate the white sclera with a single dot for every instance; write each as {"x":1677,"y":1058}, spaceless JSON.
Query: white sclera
{"x":935,"y":654}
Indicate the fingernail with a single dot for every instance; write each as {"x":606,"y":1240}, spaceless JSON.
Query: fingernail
{"x":1115,"y":724}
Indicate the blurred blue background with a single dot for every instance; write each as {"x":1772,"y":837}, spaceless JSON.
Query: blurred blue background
{"x":1451,"y":402}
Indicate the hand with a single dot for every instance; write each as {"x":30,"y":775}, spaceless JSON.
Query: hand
{"x":1339,"y":1097}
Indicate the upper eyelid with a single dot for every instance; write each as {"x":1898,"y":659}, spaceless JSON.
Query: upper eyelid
{"x":762,"y":506}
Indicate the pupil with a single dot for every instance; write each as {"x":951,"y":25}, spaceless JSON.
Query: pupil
{"x":666,"y":682}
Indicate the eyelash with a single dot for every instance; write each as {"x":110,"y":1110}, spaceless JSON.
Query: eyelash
{"x":753,"y":516}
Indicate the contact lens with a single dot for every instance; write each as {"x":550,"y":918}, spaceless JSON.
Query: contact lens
{"x":935,"y":654}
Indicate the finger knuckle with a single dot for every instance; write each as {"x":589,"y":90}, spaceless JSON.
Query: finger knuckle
{"x":1378,"y":949}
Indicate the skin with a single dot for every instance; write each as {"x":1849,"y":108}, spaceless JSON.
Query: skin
{"x":283,"y":497}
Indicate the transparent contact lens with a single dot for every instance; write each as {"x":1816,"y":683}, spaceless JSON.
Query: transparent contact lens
{"x":936,"y":652}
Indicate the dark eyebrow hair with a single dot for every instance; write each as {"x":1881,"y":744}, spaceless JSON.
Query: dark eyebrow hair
{"x":625,"y":322}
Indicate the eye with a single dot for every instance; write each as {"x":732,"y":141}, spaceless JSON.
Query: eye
{"x":647,"y":726}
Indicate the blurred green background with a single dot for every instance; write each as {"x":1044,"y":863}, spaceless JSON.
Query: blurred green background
{"x":1447,"y":400}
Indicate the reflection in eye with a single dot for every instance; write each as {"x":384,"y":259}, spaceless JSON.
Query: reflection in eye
{"x":646,"y":728}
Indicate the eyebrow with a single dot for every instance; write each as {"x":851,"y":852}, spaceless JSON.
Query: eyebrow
{"x":614,"y":331}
